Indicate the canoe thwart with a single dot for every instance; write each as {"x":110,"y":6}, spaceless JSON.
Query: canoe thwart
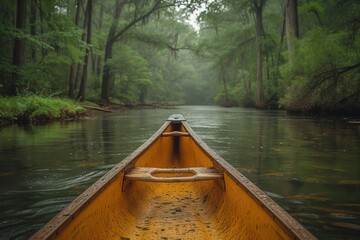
{"x":173,"y":174}
{"x":175,"y":133}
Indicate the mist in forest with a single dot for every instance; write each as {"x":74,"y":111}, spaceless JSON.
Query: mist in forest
{"x":297,"y":55}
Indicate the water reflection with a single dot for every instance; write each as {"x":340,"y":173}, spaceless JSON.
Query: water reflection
{"x":310,"y":167}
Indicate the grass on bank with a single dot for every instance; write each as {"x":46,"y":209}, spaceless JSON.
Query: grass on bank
{"x":35,"y":109}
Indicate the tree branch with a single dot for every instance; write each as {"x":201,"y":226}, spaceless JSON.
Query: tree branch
{"x":322,"y":77}
{"x":136,"y":20}
{"x":328,"y":74}
{"x":246,"y":41}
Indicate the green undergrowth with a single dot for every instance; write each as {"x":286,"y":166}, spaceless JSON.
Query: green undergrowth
{"x":37,"y":109}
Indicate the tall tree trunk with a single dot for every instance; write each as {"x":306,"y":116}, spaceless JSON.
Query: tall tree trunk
{"x":260,"y":103}
{"x":106,"y":77}
{"x":19,"y":45}
{"x":97,"y":58}
{"x":33,"y":16}
{"x":142,"y":95}
{"x":292,"y":27}
{"x":84,"y":79}
{"x":74,"y":66}
{"x":80,"y":67}
{"x":223,"y":79}
{"x":42,"y":24}
{"x":72,"y":74}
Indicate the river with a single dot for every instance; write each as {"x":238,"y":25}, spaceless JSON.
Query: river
{"x":310,"y":167}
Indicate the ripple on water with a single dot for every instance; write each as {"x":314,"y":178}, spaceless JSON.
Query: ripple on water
{"x":46,"y":167}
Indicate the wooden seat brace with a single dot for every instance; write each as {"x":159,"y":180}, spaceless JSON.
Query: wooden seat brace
{"x":175,"y":134}
{"x":199,"y":174}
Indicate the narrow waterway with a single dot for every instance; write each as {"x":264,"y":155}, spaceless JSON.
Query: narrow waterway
{"x":310,"y":167}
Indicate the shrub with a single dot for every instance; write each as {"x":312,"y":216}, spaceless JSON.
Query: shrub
{"x":37,"y":109}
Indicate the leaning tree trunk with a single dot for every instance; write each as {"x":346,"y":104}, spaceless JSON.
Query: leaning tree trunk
{"x":19,"y":46}
{"x":113,"y":36}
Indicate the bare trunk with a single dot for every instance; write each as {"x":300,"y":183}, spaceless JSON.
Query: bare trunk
{"x":74,"y":66}
{"x":106,"y":77}
{"x":105,"y":89}
{"x":72,"y":75}
{"x":142,"y":95}
{"x":19,"y":45}
{"x":33,"y":15}
{"x":292,"y":27}
{"x":84,"y":79}
{"x":259,"y":57}
{"x":97,"y":58}
{"x":223,"y":78}
{"x":42,"y":23}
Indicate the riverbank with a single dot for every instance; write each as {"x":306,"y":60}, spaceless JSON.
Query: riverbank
{"x":35,"y":109}
{"x":38,"y":109}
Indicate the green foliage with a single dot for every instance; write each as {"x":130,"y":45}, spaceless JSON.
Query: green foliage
{"x":37,"y":109}
{"x":312,"y":6}
{"x":166,"y":44}
{"x":160,"y":58}
{"x":317,"y":78}
{"x":132,"y":74}
{"x":229,"y":39}
{"x":232,"y":98}
{"x":55,"y":45}
{"x":326,"y":68}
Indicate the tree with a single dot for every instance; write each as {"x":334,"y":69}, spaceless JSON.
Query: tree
{"x":215,"y":32}
{"x":33,"y":30}
{"x":258,"y":7}
{"x":292,"y":27}
{"x":144,"y":51}
{"x":74,"y":66}
{"x":19,"y":45}
{"x":107,"y":76}
{"x":115,"y":34}
{"x":324,"y":76}
{"x":84,"y":79}
{"x":238,"y":15}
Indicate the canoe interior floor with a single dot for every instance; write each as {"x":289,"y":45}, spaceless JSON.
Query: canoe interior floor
{"x":174,"y":213}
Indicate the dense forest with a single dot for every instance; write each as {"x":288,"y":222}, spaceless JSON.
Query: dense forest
{"x":297,"y":55}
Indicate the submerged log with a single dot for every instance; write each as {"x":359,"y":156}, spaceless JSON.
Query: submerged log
{"x":97,"y":108}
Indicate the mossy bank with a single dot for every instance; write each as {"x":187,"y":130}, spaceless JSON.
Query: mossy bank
{"x":37,"y":109}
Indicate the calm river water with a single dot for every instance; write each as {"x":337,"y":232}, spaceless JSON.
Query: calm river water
{"x":310,"y":167}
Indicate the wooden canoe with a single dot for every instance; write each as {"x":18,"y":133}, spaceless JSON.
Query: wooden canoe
{"x":173,"y":187}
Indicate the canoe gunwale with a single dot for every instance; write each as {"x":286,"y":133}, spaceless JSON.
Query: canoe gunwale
{"x":290,"y":225}
{"x":65,"y":216}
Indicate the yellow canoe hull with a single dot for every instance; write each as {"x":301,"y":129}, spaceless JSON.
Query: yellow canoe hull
{"x":199,"y":197}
